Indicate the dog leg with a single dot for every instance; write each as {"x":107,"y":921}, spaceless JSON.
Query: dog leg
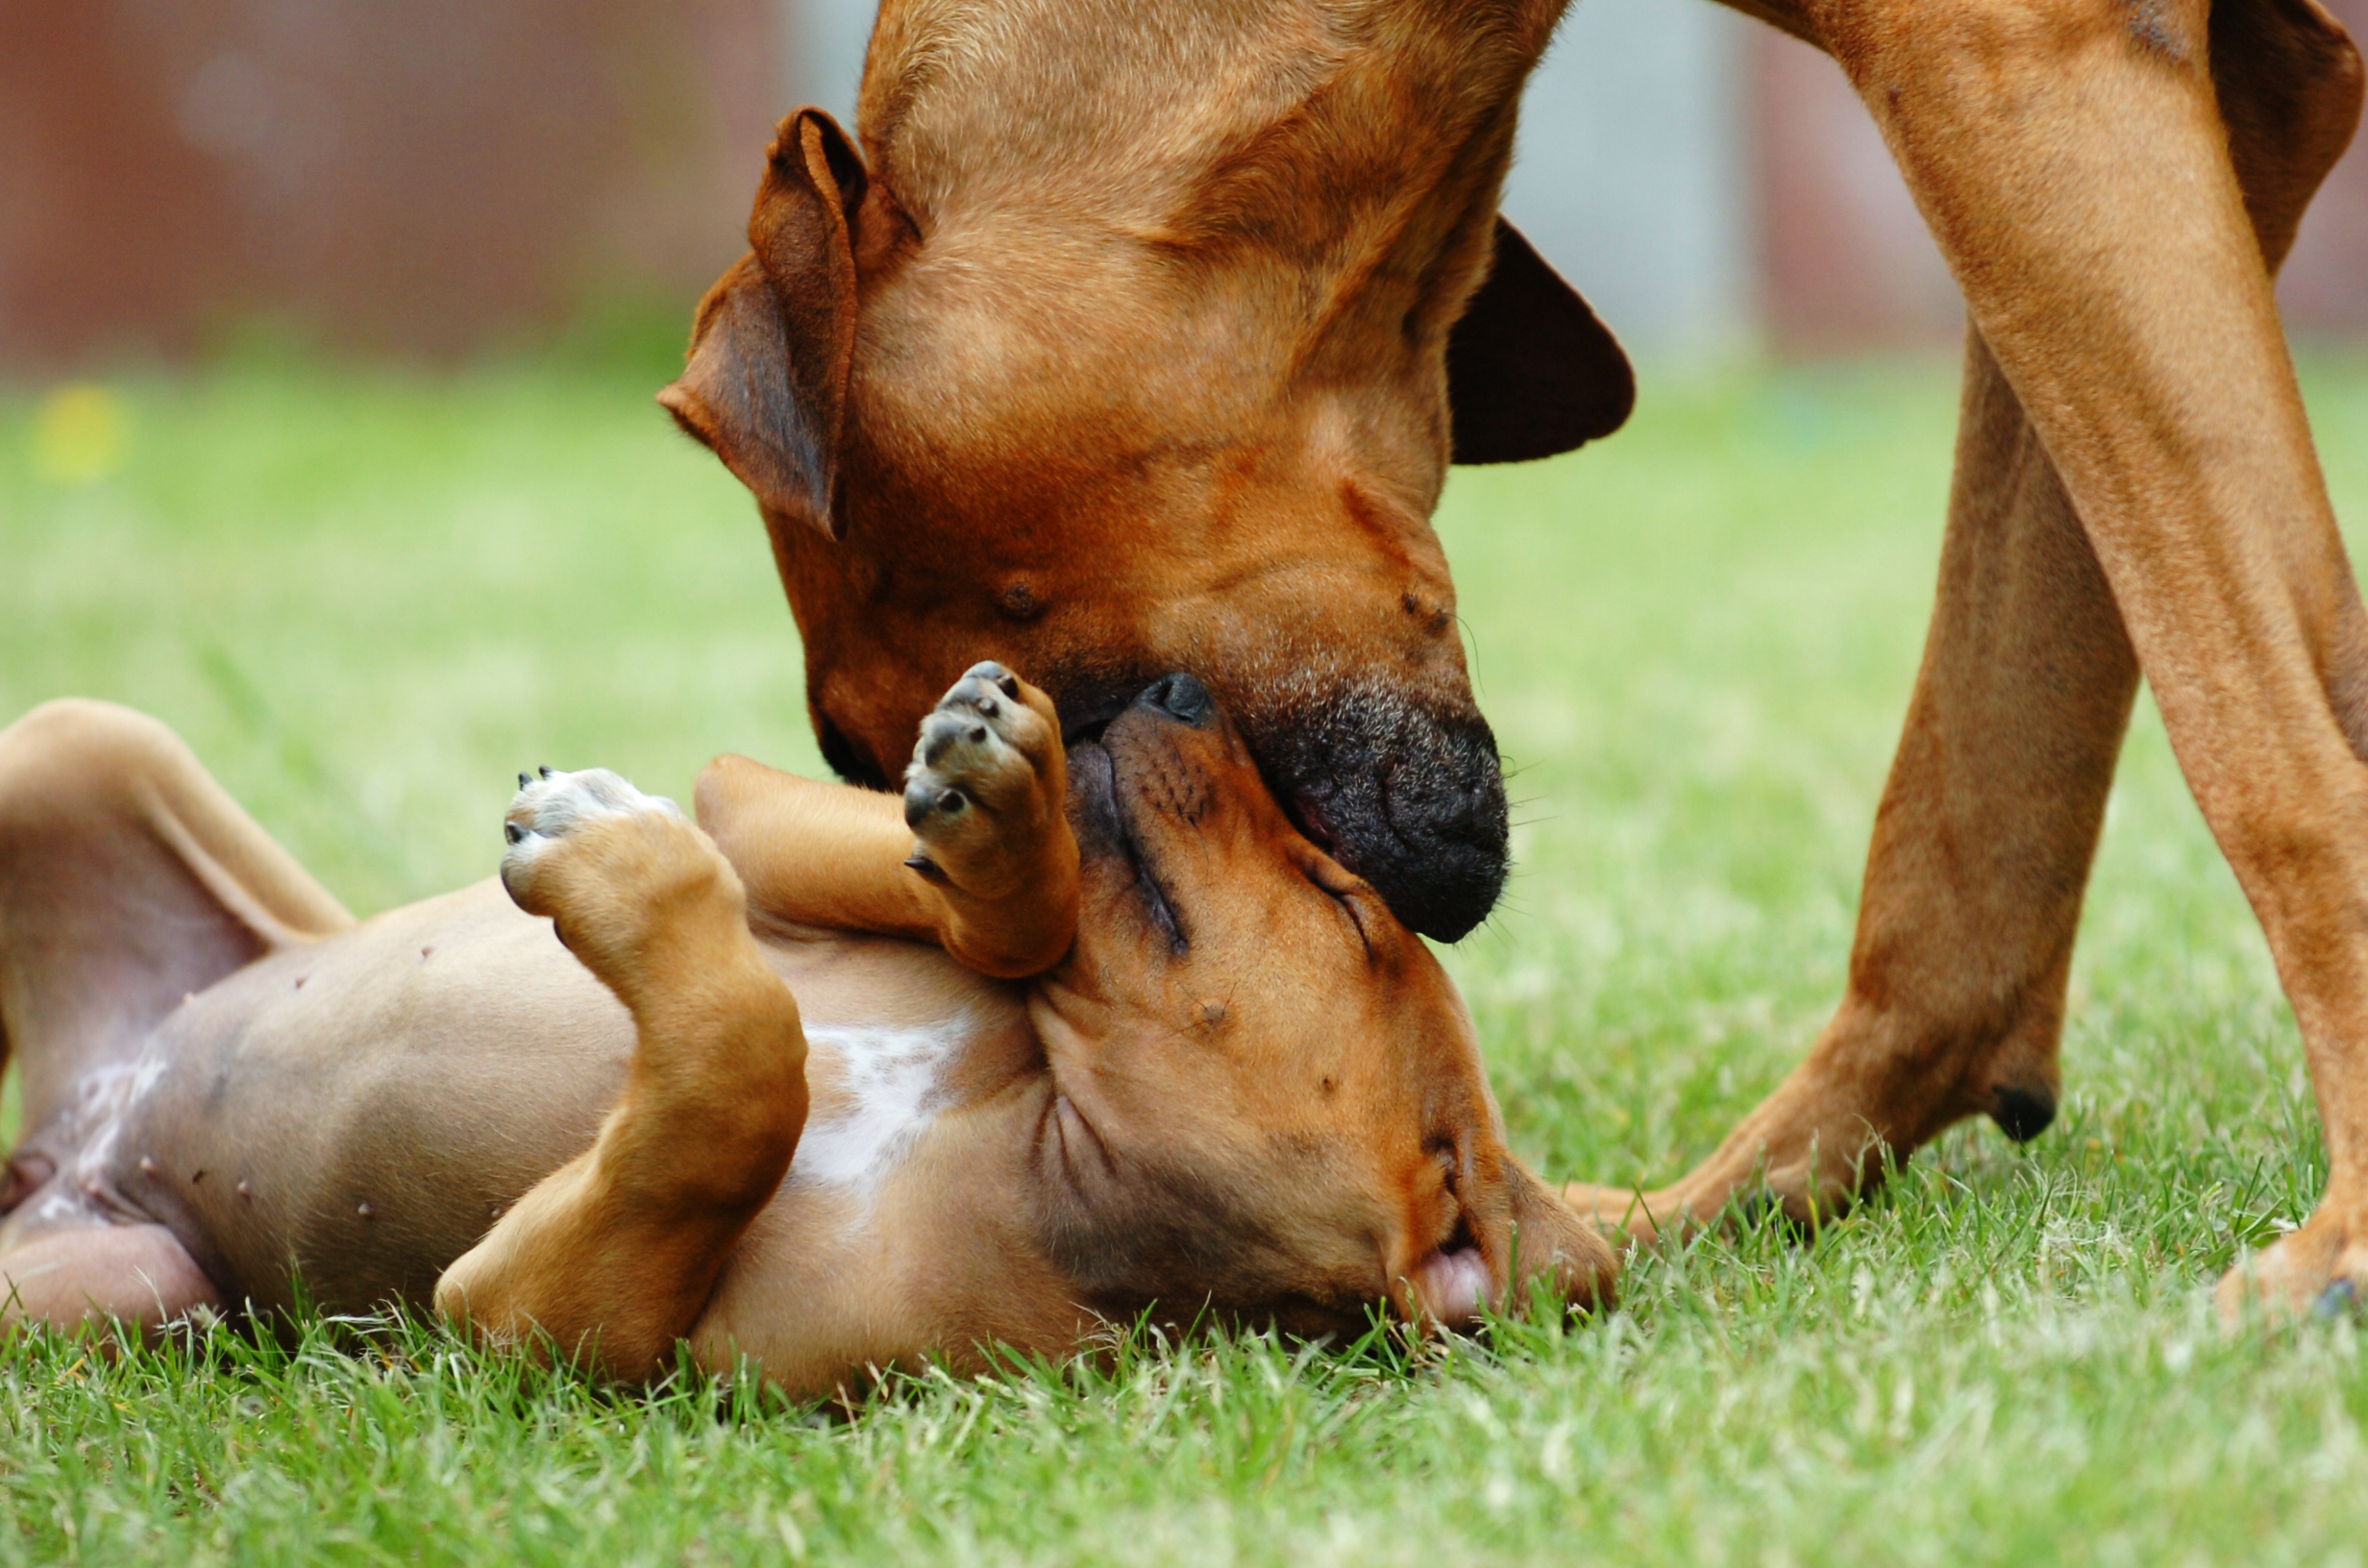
{"x":613,"y":1255}
{"x":977,"y":858}
{"x":1982,"y":847}
{"x":128,"y":879}
{"x":1973,"y":887}
{"x":120,"y":1277}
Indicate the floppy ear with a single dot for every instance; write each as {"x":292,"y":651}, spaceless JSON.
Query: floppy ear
{"x":766,"y":385}
{"x":1531,"y":372}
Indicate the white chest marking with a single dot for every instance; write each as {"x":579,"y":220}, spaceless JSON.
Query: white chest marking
{"x":889,"y":1078}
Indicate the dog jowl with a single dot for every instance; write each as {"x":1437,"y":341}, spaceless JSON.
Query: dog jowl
{"x":1156,"y":367}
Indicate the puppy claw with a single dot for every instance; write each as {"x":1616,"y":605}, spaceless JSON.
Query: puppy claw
{"x":511,"y":832}
{"x":928,"y":868}
{"x":524,"y":779}
{"x":2337,"y":1300}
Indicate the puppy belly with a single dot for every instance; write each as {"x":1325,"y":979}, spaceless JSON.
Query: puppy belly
{"x":345,"y":1119}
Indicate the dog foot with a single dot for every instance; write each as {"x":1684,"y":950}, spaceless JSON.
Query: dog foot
{"x":599,"y":857}
{"x":2312,"y":1272}
{"x":985,"y":790}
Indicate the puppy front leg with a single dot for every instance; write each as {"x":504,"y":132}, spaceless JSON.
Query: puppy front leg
{"x":614,"y":1255}
{"x":977,"y":857}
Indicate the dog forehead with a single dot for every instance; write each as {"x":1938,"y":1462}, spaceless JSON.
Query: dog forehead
{"x":989,"y":344}
{"x":967,"y":106}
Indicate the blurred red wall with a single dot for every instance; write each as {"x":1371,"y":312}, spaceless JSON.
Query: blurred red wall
{"x":436,"y":176}
{"x":422,"y":177}
{"x":1847,"y":264}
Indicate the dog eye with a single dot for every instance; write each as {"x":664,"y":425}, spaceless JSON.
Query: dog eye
{"x":1348,"y":900}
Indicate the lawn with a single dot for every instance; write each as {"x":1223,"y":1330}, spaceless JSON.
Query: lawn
{"x":367,"y":599}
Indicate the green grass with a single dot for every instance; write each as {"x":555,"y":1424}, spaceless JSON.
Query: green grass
{"x":367,"y":601}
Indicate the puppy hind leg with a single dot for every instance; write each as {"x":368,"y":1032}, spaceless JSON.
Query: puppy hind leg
{"x":613,"y":1255}
{"x":138,"y":1276}
{"x":128,"y":878}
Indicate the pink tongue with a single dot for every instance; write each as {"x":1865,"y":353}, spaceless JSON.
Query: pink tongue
{"x":1452,"y":1287}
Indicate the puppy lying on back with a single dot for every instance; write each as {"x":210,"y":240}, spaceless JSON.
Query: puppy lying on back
{"x":835,"y":1083}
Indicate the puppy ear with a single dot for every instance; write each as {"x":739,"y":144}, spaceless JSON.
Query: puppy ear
{"x":1531,"y":372}
{"x":766,"y":385}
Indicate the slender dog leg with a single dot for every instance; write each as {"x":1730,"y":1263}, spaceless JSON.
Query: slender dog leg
{"x":1982,"y":846}
{"x":2145,"y":336}
{"x":994,"y":882}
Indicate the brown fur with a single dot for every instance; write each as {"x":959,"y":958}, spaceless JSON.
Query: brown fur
{"x":1230,"y":1081}
{"x":1149,"y":313}
{"x":1152,"y":367}
{"x":2136,"y":493}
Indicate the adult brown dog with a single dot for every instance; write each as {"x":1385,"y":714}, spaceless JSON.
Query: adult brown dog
{"x":1218,"y":1076}
{"x":1218,"y":1073}
{"x":1140,"y":337}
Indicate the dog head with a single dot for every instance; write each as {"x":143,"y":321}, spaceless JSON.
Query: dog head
{"x":1141,"y":341}
{"x":1271,"y":1095}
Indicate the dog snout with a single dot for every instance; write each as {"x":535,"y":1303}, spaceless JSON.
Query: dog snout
{"x":1409,"y":797}
{"x":1182,"y":697}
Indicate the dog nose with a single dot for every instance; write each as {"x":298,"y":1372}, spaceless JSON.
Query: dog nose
{"x":1181,"y":697}
{"x":1408,"y":795}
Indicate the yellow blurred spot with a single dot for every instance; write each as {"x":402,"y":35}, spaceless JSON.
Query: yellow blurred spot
{"x":79,"y":434}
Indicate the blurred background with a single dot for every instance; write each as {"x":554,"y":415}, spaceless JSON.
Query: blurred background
{"x":445,"y":178}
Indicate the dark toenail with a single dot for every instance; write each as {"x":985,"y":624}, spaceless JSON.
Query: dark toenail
{"x":978,"y":735}
{"x":1010,"y":682}
{"x":928,"y":868}
{"x":2335,"y":1301}
{"x":951,"y":801}
{"x":545,"y":772}
{"x":987,"y":708}
{"x":513,"y":832}
{"x":525,"y":781}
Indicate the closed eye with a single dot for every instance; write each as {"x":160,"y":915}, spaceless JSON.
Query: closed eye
{"x":1348,"y":896}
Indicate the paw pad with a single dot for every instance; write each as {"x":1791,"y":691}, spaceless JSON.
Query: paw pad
{"x":550,"y":806}
{"x":969,"y":754}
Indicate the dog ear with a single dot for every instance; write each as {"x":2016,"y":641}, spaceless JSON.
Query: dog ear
{"x":765,"y":384}
{"x":1531,"y":372}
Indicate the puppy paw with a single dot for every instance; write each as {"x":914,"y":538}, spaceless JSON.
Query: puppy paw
{"x":601,"y":858}
{"x":987,"y":785}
